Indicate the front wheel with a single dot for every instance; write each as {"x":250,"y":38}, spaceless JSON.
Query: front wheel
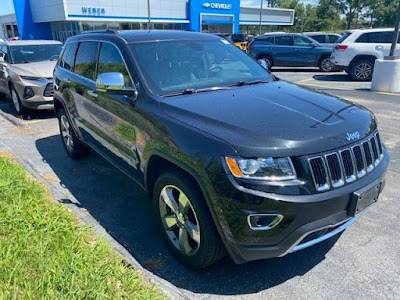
{"x":185,"y":222}
{"x":326,"y":65}
{"x":268,"y":62}
{"x":74,"y":147}
{"x":19,"y":107}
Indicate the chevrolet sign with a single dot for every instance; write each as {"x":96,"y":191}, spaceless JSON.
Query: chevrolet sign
{"x":217,"y":5}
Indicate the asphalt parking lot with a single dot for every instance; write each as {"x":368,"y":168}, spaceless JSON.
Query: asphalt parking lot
{"x":363,"y":263}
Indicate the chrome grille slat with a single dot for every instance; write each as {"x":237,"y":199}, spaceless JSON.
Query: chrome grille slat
{"x":346,"y":165}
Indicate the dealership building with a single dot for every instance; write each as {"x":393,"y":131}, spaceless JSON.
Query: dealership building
{"x":60,"y":19}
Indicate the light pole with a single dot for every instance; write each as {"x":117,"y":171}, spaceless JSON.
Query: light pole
{"x":259,"y":33}
{"x":148,"y":12}
{"x":395,"y":37}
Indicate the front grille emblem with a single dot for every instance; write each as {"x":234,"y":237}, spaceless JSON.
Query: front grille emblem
{"x":352,"y":136}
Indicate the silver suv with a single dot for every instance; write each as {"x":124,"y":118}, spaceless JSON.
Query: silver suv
{"x":26,"y":73}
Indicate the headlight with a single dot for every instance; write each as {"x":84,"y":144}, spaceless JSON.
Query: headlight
{"x":31,"y":78}
{"x":272,"y":169}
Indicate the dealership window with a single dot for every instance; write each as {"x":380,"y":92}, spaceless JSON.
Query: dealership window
{"x":85,"y":62}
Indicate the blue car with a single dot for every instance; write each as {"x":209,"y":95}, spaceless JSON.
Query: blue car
{"x":290,"y":50}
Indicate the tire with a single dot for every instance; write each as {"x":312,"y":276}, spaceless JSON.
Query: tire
{"x":325,"y":64}
{"x":18,"y":106}
{"x":74,"y":147}
{"x":201,"y":248}
{"x":268,"y":61}
{"x":361,"y":70}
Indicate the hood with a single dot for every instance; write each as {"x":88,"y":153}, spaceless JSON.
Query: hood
{"x":42,"y":69}
{"x":273,"y":119}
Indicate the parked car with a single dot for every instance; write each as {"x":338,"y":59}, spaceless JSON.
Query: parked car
{"x":290,"y":50}
{"x":357,"y":50}
{"x":325,"y":39}
{"x":240,"y":41}
{"x":235,"y":160}
{"x":26,"y":73}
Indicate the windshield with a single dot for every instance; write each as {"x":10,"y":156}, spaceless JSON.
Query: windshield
{"x":176,"y":66}
{"x":32,"y":53}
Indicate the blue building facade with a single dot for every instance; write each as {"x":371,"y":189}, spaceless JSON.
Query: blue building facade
{"x":60,"y":19}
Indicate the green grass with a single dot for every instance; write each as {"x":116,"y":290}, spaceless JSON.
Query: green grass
{"x":46,"y":254}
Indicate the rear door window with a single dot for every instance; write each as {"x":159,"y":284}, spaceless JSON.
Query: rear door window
{"x":86,"y":59}
{"x":376,"y":37}
{"x":284,"y":40}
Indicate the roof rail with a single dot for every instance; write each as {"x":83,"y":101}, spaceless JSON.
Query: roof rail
{"x":110,"y":31}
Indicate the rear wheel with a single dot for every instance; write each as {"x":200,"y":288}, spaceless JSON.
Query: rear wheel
{"x":326,"y":65}
{"x":19,"y":107}
{"x":362,"y":70}
{"x":74,"y":147}
{"x":185,"y":222}
{"x":268,"y":61}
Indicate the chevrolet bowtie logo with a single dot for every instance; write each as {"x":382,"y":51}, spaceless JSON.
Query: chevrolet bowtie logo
{"x":206,"y":5}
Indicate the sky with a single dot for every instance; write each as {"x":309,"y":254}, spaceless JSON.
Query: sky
{"x":7,"y":6}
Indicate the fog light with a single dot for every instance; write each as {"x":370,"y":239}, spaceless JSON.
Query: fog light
{"x":28,"y":92}
{"x":264,"y":221}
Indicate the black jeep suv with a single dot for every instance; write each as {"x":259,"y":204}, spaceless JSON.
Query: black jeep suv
{"x":236,"y":160}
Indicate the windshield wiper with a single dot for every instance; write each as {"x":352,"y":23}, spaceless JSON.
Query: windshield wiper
{"x":242,"y":83}
{"x":195,"y":91}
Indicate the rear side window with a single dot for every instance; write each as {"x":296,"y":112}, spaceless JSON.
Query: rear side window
{"x":284,"y":40}
{"x":86,"y":57}
{"x":319,"y":38}
{"x":110,"y":60}
{"x":67,"y":60}
{"x":262,"y":41}
{"x":332,"y":38}
{"x":376,"y":37}
{"x":4,"y":50}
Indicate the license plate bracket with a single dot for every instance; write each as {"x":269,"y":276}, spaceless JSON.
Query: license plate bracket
{"x":363,"y":198}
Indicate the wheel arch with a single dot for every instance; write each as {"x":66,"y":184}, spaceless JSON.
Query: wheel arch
{"x":362,"y":56}
{"x":158,"y":158}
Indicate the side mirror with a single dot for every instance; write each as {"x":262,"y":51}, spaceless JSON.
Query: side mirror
{"x":114,"y":83}
{"x":314,"y":44}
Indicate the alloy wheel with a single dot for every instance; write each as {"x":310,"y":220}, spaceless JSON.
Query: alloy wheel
{"x":66,"y":132}
{"x":15,"y":100}
{"x":363,"y":70}
{"x":327,"y":65}
{"x":179,"y":220}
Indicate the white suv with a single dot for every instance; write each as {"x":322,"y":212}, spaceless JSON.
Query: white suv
{"x":356,"y":51}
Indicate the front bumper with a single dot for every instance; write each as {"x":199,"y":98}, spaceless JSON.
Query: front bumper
{"x":308,"y":219}
{"x":43,"y":96}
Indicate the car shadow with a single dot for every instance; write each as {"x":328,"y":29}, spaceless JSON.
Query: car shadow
{"x":342,"y":77}
{"x":7,"y":106}
{"x":125,"y":211}
{"x":295,"y":70}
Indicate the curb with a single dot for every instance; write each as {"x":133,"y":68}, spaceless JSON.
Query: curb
{"x":165,"y":286}
{"x":12,"y":119}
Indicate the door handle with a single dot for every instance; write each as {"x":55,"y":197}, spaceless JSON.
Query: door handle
{"x":295,"y":49}
{"x":92,"y":93}
{"x":379,"y":47}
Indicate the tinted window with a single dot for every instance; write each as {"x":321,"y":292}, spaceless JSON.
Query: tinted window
{"x":110,"y":60}
{"x":263,"y":41}
{"x":301,"y":41}
{"x":284,"y":40}
{"x":67,"y":61}
{"x":33,"y":53}
{"x":364,"y":38}
{"x":332,"y":38}
{"x":319,"y":38}
{"x":174,"y":66}
{"x":85,"y":63}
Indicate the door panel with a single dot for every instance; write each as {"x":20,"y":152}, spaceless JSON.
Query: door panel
{"x":283,"y":51}
{"x":306,"y":54}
